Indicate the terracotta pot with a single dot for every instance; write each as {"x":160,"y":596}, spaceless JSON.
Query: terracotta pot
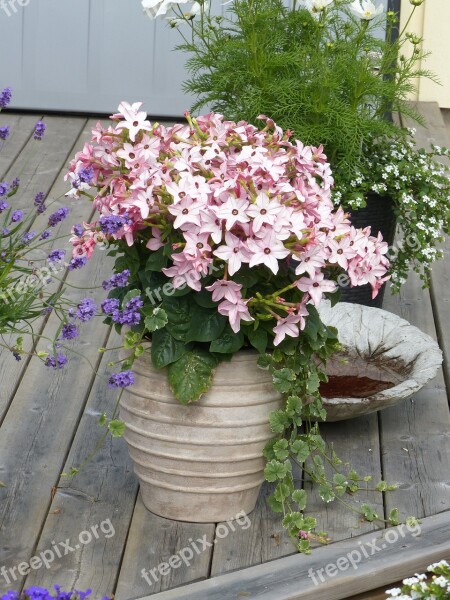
{"x":202,"y":462}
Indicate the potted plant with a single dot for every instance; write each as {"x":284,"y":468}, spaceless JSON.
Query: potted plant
{"x":321,"y":69}
{"x":226,"y":242}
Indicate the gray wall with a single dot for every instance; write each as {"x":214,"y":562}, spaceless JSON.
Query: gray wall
{"x":88,"y":55}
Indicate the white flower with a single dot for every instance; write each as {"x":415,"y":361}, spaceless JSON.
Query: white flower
{"x":158,"y":8}
{"x":315,"y":7}
{"x":365,"y":9}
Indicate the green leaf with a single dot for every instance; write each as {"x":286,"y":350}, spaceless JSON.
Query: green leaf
{"x":117,"y":428}
{"x":258,"y":339}
{"x":157,"y":320}
{"x":282,"y":491}
{"x":276,"y":470}
{"x":280,"y":449}
{"x":2,"y":484}
{"x":294,"y":405}
{"x":313,"y":382}
{"x":282,"y":379}
{"x":274,"y":504}
{"x":304,"y":547}
{"x":102,"y":420}
{"x":326,"y":493}
{"x":166,"y":349}
{"x":191,"y":375}
{"x":301,"y":498}
{"x":205,"y":325}
{"x":203,"y":298}
{"x":179,"y":315}
{"x":228,"y":342}
{"x":301,"y":450}
{"x":368,"y":513}
{"x":279,"y":421}
{"x":265,"y":361}
{"x":394,"y":517}
{"x":339,"y":479}
{"x":131,"y":339}
{"x":156,"y":261}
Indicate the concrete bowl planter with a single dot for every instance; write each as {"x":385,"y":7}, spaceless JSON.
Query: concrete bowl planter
{"x":202,"y":462}
{"x":384,"y":360}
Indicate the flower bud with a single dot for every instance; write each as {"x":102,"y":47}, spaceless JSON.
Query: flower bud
{"x":416,"y":2}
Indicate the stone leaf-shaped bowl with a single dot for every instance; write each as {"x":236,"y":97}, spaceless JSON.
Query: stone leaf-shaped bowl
{"x":382,"y":347}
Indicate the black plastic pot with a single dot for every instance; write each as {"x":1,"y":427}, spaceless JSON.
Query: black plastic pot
{"x":379,"y":215}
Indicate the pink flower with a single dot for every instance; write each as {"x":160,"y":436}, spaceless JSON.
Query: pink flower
{"x":267,"y":250}
{"x":311,"y":261}
{"x":290,"y":325}
{"x":233,"y":211}
{"x":234,"y":252}
{"x":134,"y":121}
{"x":316,"y":287}
{"x":264,"y":211}
{"x":187,"y":211}
{"x":341,"y":252}
{"x":230,"y":290}
{"x":236,"y":312}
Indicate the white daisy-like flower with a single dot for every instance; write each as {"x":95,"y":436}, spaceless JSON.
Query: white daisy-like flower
{"x":366,"y":10}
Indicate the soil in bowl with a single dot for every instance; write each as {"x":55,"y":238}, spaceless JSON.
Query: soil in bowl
{"x":352,"y":386}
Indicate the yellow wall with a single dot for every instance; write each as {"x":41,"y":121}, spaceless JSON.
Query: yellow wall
{"x":432,"y":22}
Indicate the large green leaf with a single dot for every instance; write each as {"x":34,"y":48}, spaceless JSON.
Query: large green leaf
{"x":191,"y":375}
{"x":228,"y":342}
{"x":156,"y":261}
{"x":157,"y":320}
{"x":258,"y":339}
{"x":179,"y":315}
{"x":166,"y":349}
{"x":205,"y":325}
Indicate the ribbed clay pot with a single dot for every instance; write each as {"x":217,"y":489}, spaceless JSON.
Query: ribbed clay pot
{"x":202,"y":462}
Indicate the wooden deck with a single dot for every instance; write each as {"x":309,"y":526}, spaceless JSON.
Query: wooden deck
{"x":48,"y":422}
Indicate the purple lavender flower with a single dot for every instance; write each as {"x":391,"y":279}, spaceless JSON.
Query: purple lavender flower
{"x":4,"y":188}
{"x":112,"y":223}
{"x":45,"y":235}
{"x":86,"y":310}
{"x":17,"y":216}
{"x":110,"y":305}
{"x":78,"y":230}
{"x":69,"y":331}
{"x":5,"y":231}
{"x":39,"y":202}
{"x":121,"y":380}
{"x":39,"y":130}
{"x":5,"y":97}
{"x":17,"y":356}
{"x":130,"y":314}
{"x":56,"y":363}
{"x":56,"y":256}
{"x":3,"y":205}
{"x":118,"y":280}
{"x":77,"y":263}
{"x":86,"y":175}
{"x":4,"y":132}
{"x":15,"y":184}
{"x":26,"y":239}
{"x":58,"y":216}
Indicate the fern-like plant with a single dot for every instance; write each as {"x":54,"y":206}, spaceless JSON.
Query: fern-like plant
{"x":316,"y":68}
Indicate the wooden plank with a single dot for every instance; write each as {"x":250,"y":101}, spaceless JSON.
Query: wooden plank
{"x":415,"y":433}
{"x":152,"y":542}
{"x":263,"y":539}
{"x":21,"y":129}
{"x":103,"y":494}
{"x":38,"y":171}
{"x":392,"y":554}
{"x":38,"y":428}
